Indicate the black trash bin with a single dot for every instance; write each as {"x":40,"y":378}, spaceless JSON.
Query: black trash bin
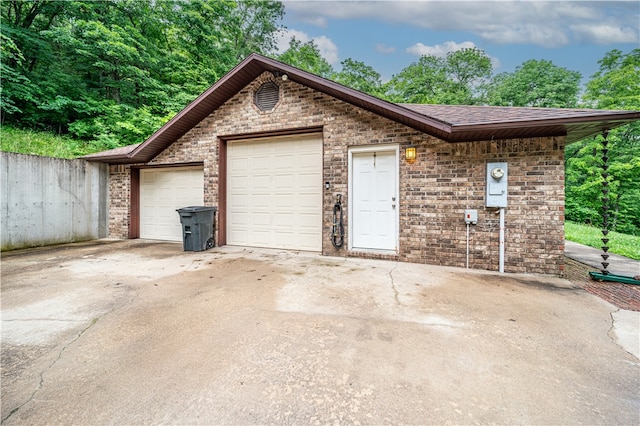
{"x":198,"y":225}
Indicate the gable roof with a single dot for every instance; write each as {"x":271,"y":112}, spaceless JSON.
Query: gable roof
{"x":452,"y":123}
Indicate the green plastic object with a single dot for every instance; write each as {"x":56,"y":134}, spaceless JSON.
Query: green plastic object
{"x":614,"y":278}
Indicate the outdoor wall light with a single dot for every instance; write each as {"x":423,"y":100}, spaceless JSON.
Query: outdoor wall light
{"x":410,"y":154}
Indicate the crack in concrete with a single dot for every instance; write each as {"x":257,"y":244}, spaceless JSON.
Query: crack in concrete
{"x":64,"y":348}
{"x":613,"y":324}
{"x":393,"y":286}
{"x":42,"y":373}
{"x":611,"y":333}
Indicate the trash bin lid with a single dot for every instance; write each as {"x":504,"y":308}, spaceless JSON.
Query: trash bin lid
{"x":195,"y":209}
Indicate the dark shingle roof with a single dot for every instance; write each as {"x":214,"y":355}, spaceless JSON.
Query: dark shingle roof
{"x":452,"y":123}
{"x":465,"y":115}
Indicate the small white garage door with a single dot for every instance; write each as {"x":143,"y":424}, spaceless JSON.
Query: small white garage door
{"x":162,"y":191}
{"x":274,"y":192}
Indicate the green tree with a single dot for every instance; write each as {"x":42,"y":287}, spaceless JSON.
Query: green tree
{"x":536,"y":84}
{"x":24,"y":51}
{"x":15,"y":86}
{"x":306,"y":56}
{"x":422,"y":82}
{"x":110,"y":72}
{"x":468,"y":71}
{"x":454,"y":79}
{"x":616,"y":85}
{"x":254,"y":26}
{"x":359,"y":76}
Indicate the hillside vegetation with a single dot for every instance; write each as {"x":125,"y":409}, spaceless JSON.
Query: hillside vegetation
{"x":35,"y":142}
{"x":619,"y":243}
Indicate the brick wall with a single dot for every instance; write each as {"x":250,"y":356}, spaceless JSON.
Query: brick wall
{"x":445,"y":180}
{"x":119,"y":194}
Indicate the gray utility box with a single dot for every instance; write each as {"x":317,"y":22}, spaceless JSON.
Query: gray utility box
{"x":198,"y":225}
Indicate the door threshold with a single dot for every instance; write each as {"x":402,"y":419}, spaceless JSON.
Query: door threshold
{"x":373,"y":254}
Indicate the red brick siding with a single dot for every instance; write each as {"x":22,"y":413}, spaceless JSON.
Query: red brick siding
{"x":445,"y":180}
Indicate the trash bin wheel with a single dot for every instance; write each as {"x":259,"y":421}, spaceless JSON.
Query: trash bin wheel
{"x":210,"y":243}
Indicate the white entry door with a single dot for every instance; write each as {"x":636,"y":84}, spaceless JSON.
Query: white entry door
{"x":374,"y":219}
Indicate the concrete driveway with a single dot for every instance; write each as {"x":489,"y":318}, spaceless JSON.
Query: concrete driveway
{"x":139,"y":332}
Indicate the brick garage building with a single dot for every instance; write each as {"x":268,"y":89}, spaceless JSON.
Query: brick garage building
{"x":272,"y":146}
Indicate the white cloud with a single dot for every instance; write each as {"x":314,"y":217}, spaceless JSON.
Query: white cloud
{"x":524,"y":34}
{"x":285,"y":36}
{"x":604,"y":33}
{"x":328,"y":49}
{"x":542,"y":23}
{"x":383,"y":48}
{"x":318,"y":21}
{"x":439,"y":50}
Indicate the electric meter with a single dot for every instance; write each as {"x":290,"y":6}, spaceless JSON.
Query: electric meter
{"x":497,"y":173}
{"x":497,"y":184}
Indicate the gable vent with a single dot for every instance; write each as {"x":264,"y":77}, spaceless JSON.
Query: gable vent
{"x":267,"y":96}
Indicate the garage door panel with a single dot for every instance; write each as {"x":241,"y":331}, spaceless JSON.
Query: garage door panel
{"x":283,"y":181}
{"x":306,"y":161}
{"x":261,"y":237}
{"x":241,"y":218}
{"x":162,"y":191}
{"x":239,"y":164}
{"x":285,"y":200}
{"x":283,"y":220}
{"x":261,"y":182}
{"x":262,"y":220}
{"x":307,"y":199}
{"x":240,"y":200}
{"x":307,"y":221}
{"x":285,"y":239}
{"x":240,"y":235}
{"x":261,"y":202}
{"x":284,"y":162}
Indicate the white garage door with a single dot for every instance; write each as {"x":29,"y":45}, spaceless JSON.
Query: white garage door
{"x":274,"y":192}
{"x":162,"y":191}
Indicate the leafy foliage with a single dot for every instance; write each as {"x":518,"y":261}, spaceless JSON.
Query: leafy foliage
{"x":306,"y":56}
{"x":359,"y":76}
{"x":616,"y":85}
{"x":455,"y":79}
{"x":112,"y":72}
{"x":536,"y":84}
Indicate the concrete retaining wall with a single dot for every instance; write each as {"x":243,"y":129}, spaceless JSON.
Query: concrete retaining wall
{"x":51,"y":200}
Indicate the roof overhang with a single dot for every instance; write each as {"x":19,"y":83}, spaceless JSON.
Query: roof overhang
{"x":434,"y":120}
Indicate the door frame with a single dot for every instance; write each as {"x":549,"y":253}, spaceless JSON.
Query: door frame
{"x":395,"y":148}
{"x":134,"y":191}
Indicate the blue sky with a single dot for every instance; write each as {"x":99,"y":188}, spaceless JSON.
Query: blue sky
{"x":390,"y":35}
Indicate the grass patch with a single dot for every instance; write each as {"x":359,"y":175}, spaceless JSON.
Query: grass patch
{"x":622,"y":244}
{"x":40,"y":143}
